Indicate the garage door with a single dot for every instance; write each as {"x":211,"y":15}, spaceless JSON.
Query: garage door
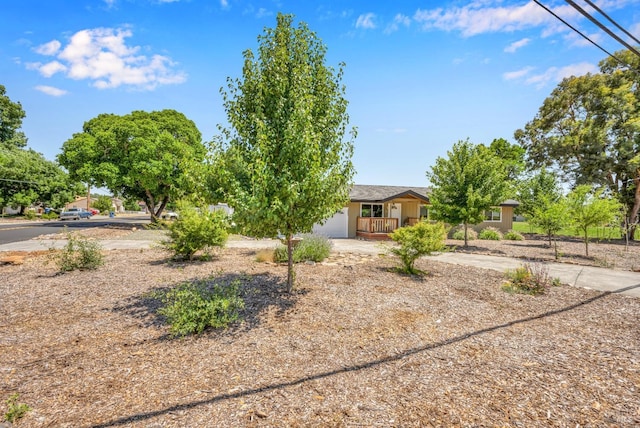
{"x":336,"y":226}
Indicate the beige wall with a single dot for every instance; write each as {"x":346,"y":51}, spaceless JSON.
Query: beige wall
{"x":504,"y":225}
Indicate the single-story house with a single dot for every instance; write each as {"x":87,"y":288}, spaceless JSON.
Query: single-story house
{"x":81,"y":202}
{"x":375,"y":211}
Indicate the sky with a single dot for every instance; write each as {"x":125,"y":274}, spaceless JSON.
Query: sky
{"x":419,"y":75}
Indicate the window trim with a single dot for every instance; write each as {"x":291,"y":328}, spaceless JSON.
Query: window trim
{"x":489,"y":219}
{"x":372,"y":204}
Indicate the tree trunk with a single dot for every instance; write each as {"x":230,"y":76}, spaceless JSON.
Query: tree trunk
{"x":633,"y":216}
{"x":466,"y":243}
{"x":586,"y":242}
{"x":290,"y":274}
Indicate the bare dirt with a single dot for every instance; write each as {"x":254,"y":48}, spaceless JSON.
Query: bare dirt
{"x":356,"y":345}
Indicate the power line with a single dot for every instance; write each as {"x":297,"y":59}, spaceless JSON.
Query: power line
{"x":602,"y":27}
{"x":601,"y":12}
{"x":584,"y":36}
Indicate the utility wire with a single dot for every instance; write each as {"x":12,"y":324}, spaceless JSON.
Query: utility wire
{"x":586,"y":37}
{"x":602,"y":27}
{"x":601,"y":12}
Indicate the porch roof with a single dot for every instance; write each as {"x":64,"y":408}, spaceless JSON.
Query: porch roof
{"x":374,"y":193}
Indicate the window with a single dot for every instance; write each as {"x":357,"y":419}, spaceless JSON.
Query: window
{"x":424,"y":211}
{"x":371,"y":210}
{"x":494,"y":214}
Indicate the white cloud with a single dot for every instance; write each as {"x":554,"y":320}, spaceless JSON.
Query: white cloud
{"x":48,"y":49}
{"x":554,"y":74}
{"x":517,"y":45}
{"x":50,"y":90}
{"x":366,"y":21}
{"x":102,"y":56}
{"x":489,"y":16}
{"x":398,"y":20}
{"x":224,"y":4}
{"x":513,"y":75}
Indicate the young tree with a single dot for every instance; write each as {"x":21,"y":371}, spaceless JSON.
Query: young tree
{"x":155,"y":157}
{"x":285,"y":165}
{"x":588,"y":208}
{"x":421,"y":239}
{"x":467,"y":184}
{"x":103,"y":204}
{"x":550,"y":215}
{"x":537,"y":192}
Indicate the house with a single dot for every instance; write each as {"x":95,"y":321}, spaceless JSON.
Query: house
{"x":375,"y":211}
{"x":81,"y":202}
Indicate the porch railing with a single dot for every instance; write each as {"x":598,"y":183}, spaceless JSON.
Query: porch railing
{"x":377,"y":224}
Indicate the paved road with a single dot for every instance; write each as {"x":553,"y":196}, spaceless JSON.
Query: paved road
{"x":607,"y":280}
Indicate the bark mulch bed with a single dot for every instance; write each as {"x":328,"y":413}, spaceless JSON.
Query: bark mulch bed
{"x":355,"y":345}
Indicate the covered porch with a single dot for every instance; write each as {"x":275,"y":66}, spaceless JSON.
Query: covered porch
{"x":379,"y":228}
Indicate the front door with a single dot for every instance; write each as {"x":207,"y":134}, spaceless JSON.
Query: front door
{"x":396,"y":212}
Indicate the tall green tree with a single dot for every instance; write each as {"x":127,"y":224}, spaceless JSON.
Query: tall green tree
{"x":156,"y":157}
{"x":466,"y":184}
{"x":588,"y":130}
{"x":11,"y":115}
{"x":285,"y":162}
{"x":588,"y":208}
{"x":512,"y":155}
{"x":537,"y":192}
{"x":550,"y":215}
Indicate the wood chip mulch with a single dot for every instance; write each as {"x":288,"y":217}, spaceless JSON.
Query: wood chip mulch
{"x":356,"y":345}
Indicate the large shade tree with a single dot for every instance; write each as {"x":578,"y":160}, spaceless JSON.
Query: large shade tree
{"x":156,"y":157}
{"x":589,"y":130}
{"x":11,"y":115}
{"x":467,"y":183}
{"x":285,"y":162}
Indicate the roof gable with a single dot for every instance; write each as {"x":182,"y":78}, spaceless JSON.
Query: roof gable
{"x":374,"y":193}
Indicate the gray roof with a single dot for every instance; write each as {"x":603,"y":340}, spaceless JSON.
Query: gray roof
{"x":373,"y":193}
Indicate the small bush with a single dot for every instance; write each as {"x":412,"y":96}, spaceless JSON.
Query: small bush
{"x":15,"y":410}
{"x":50,"y":216}
{"x":312,"y":247}
{"x":416,"y":241}
{"x":529,"y":279}
{"x":512,"y":235}
{"x":30,"y":214}
{"x":79,"y":253}
{"x":457,"y":233}
{"x":196,"y":231}
{"x":193,"y":306}
{"x":265,"y":256}
{"x":490,"y":234}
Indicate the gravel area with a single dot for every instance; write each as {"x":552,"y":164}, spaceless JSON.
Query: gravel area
{"x":355,"y":345}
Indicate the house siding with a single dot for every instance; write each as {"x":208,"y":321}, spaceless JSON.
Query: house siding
{"x":505,"y":225}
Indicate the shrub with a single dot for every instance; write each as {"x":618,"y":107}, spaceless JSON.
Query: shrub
{"x":416,"y":241}
{"x":457,"y":233}
{"x":312,"y":247}
{"x":15,"y":410}
{"x":490,"y":233}
{"x":50,"y":216}
{"x":512,"y":235}
{"x":191,"y":307}
{"x":79,"y":253}
{"x":30,"y":214}
{"x":196,"y":231}
{"x":528,"y":279}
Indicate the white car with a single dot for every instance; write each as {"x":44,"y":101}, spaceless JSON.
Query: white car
{"x":169,"y":215}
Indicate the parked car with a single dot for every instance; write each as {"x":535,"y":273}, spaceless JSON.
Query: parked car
{"x":169,"y":215}
{"x":74,"y":214}
{"x":94,"y":211}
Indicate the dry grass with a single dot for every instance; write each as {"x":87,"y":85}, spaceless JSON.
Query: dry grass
{"x":356,"y":345}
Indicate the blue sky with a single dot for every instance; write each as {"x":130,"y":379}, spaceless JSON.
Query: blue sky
{"x":420,"y":75}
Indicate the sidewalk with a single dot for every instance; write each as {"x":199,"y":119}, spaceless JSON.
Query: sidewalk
{"x":608,"y":280}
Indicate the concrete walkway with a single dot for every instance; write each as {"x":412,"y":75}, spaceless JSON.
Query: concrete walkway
{"x":602,"y":279}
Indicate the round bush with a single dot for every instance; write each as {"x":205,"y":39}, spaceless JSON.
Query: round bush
{"x":458,"y":233}
{"x":490,"y":233}
{"x":512,"y":235}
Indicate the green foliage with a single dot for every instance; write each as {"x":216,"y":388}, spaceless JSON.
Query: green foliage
{"x":196,"y":230}
{"x":588,"y":130}
{"x":490,"y":234}
{"x":513,"y":235}
{"x":131,"y":204}
{"x":314,"y":248}
{"x":587,"y":208}
{"x":413,"y":242}
{"x":457,"y":233}
{"x":537,"y":192}
{"x":79,"y":253}
{"x":191,"y":307}
{"x":284,"y":165}
{"x":30,"y":214}
{"x":103,"y":204}
{"x":551,"y":217}
{"x":15,"y":410}
{"x":11,"y":115}
{"x":512,"y":155}
{"x":156,"y":157}
{"x":529,"y":279}
{"x":466,"y":184}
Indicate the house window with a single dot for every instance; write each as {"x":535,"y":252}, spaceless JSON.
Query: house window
{"x":494,"y":214}
{"x":424,"y":211}
{"x":371,"y":210}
